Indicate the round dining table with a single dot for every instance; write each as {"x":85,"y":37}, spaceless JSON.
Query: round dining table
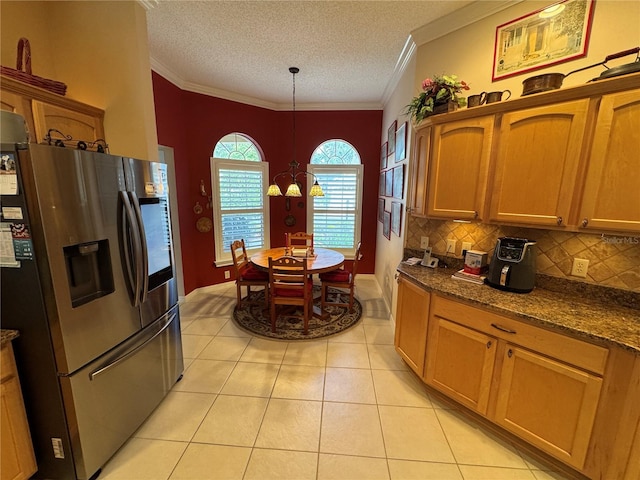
{"x":323,"y":260}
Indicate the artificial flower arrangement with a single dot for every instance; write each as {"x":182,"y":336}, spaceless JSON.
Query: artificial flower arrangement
{"x":438,"y":90}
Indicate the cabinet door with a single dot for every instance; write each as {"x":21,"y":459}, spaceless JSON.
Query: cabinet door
{"x":547,"y":403}
{"x":78,"y":125}
{"x":537,"y":164}
{"x":611,"y":198}
{"x":458,"y":168}
{"x":460,"y":362}
{"x":18,"y":461}
{"x":420,"y":149}
{"x":412,"y":314}
{"x":16,"y":103}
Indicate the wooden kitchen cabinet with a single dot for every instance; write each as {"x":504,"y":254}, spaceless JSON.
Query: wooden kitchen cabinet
{"x":77,"y":125}
{"x":611,"y":197}
{"x":412,"y":314}
{"x":420,"y":150}
{"x":18,"y":460}
{"x":458,"y":168}
{"x":44,"y":110}
{"x":528,"y":403}
{"x":513,"y":374}
{"x":537,"y":164}
{"x":460,"y":362}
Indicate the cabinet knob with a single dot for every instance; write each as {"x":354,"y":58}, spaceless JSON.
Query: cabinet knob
{"x":510,"y":353}
{"x":475,"y":214}
{"x":489,"y":344}
{"x":585,"y":222}
{"x":559,"y":220}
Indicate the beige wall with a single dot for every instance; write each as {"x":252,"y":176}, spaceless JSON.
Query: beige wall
{"x":389,"y":252}
{"x":100,"y":50}
{"x":614,"y":260}
{"x":468,"y":52}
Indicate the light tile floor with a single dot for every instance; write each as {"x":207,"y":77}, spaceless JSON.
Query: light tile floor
{"x":342,"y":408}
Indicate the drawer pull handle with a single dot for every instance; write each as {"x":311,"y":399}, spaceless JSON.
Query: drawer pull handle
{"x":503,"y":329}
{"x":585,"y":222}
{"x":510,"y":353}
{"x":559,"y":220}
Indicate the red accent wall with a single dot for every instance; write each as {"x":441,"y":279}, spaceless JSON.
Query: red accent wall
{"x":192,"y":123}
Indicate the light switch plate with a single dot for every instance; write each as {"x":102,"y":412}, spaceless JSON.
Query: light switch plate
{"x":424,"y":242}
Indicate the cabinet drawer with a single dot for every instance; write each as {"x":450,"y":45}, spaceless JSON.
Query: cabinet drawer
{"x":570,"y":350}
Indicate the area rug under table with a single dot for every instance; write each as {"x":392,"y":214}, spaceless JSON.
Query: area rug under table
{"x":253,"y":316}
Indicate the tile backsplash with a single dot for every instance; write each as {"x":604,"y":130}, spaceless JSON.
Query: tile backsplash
{"x":614,"y":260}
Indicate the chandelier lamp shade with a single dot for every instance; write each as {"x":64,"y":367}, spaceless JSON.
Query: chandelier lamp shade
{"x":293,"y":173}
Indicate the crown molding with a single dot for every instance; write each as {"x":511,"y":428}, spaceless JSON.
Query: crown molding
{"x":179,"y":82}
{"x":460,"y":19}
{"x":431,"y":31}
{"x":401,"y":65}
{"x":149,"y":4}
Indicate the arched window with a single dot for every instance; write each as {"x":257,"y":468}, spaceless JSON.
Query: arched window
{"x":238,"y":186}
{"x":335,"y":218}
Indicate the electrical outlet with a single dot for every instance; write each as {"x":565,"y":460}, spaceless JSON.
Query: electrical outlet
{"x":451,"y":247}
{"x":227,"y":274}
{"x":580,"y":267}
{"x":466,"y":246}
{"x":424,"y":242}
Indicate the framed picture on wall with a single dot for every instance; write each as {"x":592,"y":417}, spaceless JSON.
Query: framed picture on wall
{"x":386,"y":224}
{"x":401,"y":143}
{"x":382,"y":183}
{"x":398,"y":181}
{"x":554,"y":34}
{"x":388,"y":183}
{"x":383,"y":156}
{"x":396,"y":217}
{"x":381,"y":209}
{"x":391,"y":140}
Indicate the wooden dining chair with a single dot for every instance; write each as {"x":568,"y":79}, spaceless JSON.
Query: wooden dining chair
{"x":246,"y":274}
{"x":299,"y":239}
{"x":289,"y":284}
{"x":343,"y":279}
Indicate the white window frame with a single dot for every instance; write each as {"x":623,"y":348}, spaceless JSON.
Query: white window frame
{"x":223,"y":258}
{"x":358,"y":169}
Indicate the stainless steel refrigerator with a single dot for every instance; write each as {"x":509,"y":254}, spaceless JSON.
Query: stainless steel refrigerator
{"x":87,"y":277}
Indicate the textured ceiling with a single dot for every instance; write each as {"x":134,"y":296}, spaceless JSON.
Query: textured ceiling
{"x":347,"y":51}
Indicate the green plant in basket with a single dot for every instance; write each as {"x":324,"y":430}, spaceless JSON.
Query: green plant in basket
{"x":438,"y":90}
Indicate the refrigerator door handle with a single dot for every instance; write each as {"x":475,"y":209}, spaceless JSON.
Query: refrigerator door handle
{"x":113,"y":363}
{"x":143,"y":244}
{"x":131,"y":237}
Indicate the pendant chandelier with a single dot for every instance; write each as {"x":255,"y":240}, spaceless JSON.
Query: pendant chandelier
{"x":292,"y":173}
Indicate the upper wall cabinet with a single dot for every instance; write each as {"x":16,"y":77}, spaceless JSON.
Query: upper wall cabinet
{"x":538,"y":153}
{"x":43,"y":110}
{"x":458,"y":168}
{"x":565,"y":159}
{"x":421,"y":148}
{"x":611,"y":197}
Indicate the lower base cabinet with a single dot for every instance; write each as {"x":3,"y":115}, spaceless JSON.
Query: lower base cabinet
{"x":18,"y":461}
{"x":506,"y":371}
{"x":412,"y":316}
{"x":574,"y":400}
{"x":460,"y":363}
{"x":548,"y":403}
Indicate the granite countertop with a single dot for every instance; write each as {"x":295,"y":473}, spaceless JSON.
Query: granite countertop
{"x":7,"y":335}
{"x":592,"y":317}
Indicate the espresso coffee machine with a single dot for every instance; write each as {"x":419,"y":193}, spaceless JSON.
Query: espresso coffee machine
{"x":513,"y":265}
